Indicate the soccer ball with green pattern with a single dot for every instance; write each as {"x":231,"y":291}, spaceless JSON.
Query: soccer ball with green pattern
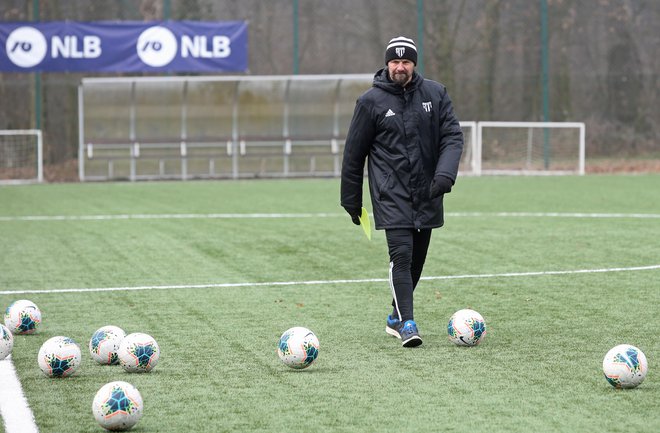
{"x":59,"y":357}
{"x":6,"y":342}
{"x":298,"y":347}
{"x":466,"y":328}
{"x":23,"y":317}
{"x":117,"y":406}
{"x":104,"y":344}
{"x":625,"y":366}
{"x":138,"y":353}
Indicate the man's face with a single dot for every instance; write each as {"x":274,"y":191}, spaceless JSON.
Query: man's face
{"x":400,"y":71}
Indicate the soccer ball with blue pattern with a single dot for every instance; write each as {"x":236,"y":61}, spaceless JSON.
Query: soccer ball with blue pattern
{"x":466,"y":328}
{"x":59,"y":357}
{"x":298,"y":347}
{"x":625,"y":366}
{"x":117,"y":406}
{"x":23,"y":317}
{"x":138,"y":353}
{"x":6,"y":342}
{"x":104,"y":344}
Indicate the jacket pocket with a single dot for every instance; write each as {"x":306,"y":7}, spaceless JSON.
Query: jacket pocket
{"x":383,"y":185}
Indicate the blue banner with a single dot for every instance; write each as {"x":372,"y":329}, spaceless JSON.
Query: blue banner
{"x":126,"y":46}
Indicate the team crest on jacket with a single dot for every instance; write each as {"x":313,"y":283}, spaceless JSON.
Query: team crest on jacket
{"x":427,"y":106}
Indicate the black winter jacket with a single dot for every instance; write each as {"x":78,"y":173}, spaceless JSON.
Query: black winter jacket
{"x":409,"y":136}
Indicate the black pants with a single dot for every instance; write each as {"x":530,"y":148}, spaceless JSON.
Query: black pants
{"x":407,"y":248}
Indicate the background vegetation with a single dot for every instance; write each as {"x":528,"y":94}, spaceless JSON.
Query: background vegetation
{"x":603,"y":63}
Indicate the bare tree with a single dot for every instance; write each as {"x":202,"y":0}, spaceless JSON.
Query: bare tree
{"x":491,"y":45}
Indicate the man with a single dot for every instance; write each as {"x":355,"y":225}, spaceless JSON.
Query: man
{"x":406,"y":127}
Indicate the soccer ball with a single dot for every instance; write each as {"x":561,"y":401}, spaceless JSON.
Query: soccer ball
{"x":23,"y":317}
{"x":466,"y":328}
{"x":625,"y":366}
{"x":298,"y":347}
{"x":59,"y":357}
{"x":104,"y":344}
{"x":117,"y":406}
{"x":138,"y":353}
{"x":6,"y":342}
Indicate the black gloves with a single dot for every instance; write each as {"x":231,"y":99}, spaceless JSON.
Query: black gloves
{"x":354,"y":212}
{"x":440,"y":185}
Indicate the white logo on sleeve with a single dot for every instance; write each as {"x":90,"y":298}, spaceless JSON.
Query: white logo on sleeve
{"x":26,"y":47}
{"x":157,"y":46}
{"x":389,"y":113}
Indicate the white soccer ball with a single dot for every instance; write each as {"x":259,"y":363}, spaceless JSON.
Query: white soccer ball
{"x":104,"y":344}
{"x":298,"y":347}
{"x":466,"y":328}
{"x":138,"y":353}
{"x":6,"y":342}
{"x":117,"y":406}
{"x":23,"y":317}
{"x":59,"y":357}
{"x":625,"y":366}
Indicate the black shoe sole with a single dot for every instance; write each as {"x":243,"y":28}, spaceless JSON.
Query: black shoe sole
{"x":413,"y":341}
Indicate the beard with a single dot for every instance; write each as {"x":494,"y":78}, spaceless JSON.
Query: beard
{"x":400,"y":78}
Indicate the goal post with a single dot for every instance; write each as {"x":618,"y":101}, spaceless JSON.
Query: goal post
{"x":21,"y":156}
{"x":469,"y":157}
{"x":529,"y":148}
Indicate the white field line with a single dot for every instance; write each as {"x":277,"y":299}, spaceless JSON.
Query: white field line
{"x":323,"y":282}
{"x":166,"y":216}
{"x":14,"y":408}
{"x":553,"y":215}
{"x":314,"y":215}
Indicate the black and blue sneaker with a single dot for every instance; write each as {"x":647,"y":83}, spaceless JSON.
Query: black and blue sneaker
{"x":409,"y":335}
{"x":393,"y":325}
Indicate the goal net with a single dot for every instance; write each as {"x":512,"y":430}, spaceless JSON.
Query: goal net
{"x":529,"y":148}
{"x":21,"y":157}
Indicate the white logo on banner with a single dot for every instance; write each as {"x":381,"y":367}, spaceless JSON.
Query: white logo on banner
{"x":157,"y":46}
{"x":26,"y":47}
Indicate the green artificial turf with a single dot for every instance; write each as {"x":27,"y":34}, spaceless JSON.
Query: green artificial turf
{"x":217,"y":291}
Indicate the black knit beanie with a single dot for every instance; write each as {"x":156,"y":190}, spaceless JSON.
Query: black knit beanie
{"x":401,"y":48}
